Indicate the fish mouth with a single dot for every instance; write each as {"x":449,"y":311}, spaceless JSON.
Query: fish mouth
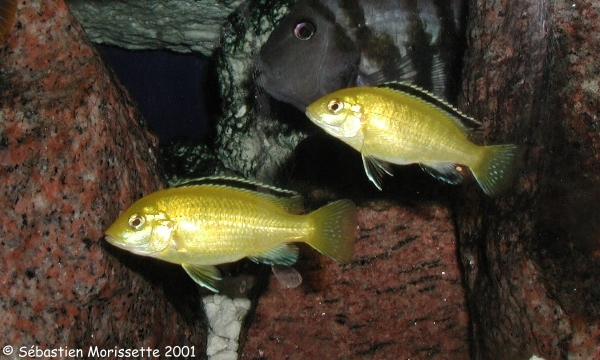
{"x":330,"y":129}
{"x":312,"y":116}
{"x":271,"y":82}
{"x":118,"y":242}
{"x":114,"y":241}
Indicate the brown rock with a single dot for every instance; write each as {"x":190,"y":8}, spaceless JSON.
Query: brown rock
{"x":532,"y":256}
{"x":74,"y":153}
{"x":401,"y":297}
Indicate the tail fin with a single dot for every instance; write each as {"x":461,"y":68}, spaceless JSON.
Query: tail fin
{"x":334,"y":230}
{"x":496,"y":168}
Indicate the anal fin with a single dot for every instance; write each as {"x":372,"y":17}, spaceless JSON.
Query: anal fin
{"x":447,"y":172}
{"x":282,"y":254}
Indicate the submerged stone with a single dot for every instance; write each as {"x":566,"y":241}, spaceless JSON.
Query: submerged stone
{"x":75,"y":152}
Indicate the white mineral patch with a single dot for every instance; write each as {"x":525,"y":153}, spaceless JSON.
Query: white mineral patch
{"x":225,"y":317}
{"x":242,"y":111}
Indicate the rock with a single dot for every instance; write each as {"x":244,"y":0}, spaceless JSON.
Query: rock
{"x":402,"y":296}
{"x":225,"y":317}
{"x":178,"y":25}
{"x":74,"y":154}
{"x":186,"y":159}
{"x":249,"y":138}
{"x":532,"y":257}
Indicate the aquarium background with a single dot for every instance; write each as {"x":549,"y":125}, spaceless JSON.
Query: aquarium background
{"x":525,"y":266}
{"x":168,"y":88}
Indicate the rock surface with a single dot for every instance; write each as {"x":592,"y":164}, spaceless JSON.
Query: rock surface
{"x":532,"y":257}
{"x":178,"y":25}
{"x":225,"y":317}
{"x":401,"y":297}
{"x":74,"y":153}
{"x":250,"y":140}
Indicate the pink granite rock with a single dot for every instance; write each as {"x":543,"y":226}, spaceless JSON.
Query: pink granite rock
{"x":74,"y":153}
{"x":532,"y":257}
{"x":401,"y":297}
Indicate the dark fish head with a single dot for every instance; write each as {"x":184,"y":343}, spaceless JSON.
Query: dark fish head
{"x":307,"y":56}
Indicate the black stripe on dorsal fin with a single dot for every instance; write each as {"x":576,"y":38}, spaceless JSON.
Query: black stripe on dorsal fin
{"x":238,"y":183}
{"x":288,"y":200}
{"x":422,"y":94}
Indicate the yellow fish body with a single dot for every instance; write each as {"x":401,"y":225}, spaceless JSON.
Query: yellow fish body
{"x":401,"y":124}
{"x":211,"y":222}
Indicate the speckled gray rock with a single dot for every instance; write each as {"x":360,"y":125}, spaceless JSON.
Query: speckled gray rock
{"x":178,"y":25}
{"x":185,"y":159}
{"x":249,"y":140}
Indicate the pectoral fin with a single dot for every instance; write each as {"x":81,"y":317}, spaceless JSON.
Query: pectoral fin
{"x":204,"y":275}
{"x":375,"y":169}
{"x":282,"y":254}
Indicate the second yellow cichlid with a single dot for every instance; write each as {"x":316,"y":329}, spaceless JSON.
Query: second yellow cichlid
{"x":402,"y":124}
{"x":213,"y":221}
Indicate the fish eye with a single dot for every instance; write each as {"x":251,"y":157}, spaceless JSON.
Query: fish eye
{"x":304,"y":30}
{"x":335,"y":106}
{"x":136,"y":221}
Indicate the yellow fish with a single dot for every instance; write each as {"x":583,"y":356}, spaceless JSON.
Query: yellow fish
{"x":402,"y":124}
{"x":213,"y":221}
{"x":8,"y":9}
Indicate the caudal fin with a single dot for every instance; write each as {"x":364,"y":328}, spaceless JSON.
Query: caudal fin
{"x":335,"y":230}
{"x":496,"y":168}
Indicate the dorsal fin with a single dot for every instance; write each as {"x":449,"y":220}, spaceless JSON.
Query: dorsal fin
{"x":289,"y":200}
{"x":466,"y":122}
{"x":238,"y":183}
{"x":401,"y":70}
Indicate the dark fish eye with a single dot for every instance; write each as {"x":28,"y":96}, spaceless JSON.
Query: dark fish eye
{"x":304,"y":30}
{"x":335,"y":106}
{"x":136,"y":221}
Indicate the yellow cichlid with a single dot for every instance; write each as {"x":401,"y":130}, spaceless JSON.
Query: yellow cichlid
{"x":219,"y":220}
{"x":402,"y":124}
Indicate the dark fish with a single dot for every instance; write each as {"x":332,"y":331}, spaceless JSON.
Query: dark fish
{"x":322,"y":46}
{"x":8,"y":9}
